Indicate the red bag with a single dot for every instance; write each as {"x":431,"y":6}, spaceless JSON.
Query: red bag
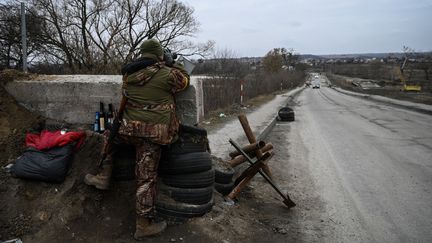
{"x":50,"y":139}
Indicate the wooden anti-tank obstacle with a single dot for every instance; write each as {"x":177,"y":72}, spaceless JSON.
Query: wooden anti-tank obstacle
{"x":263,"y":153}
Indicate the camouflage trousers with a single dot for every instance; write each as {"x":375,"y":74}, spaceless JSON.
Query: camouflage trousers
{"x":147,"y":161}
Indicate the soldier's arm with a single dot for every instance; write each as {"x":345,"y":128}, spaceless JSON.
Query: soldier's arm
{"x":179,"y":78}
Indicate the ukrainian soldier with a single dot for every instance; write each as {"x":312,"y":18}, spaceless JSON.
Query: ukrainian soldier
{"x":149,"y":121}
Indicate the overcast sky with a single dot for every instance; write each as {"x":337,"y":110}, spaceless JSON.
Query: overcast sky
{"x":253,"y":27}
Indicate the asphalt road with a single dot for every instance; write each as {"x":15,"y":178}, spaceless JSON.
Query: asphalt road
{"x":371,"y":164}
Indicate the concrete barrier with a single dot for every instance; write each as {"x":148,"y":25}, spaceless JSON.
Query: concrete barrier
{"x":75,"y":98}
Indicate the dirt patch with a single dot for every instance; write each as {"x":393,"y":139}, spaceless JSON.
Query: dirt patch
{"x":15,"y":120}
{"x":73,"y":212}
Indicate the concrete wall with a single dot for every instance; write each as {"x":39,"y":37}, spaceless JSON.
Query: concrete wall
{"x":75,"y":98}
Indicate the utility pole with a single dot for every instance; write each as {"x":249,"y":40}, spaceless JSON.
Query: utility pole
{"x":242,"y":91}
{"x":23,"y":38}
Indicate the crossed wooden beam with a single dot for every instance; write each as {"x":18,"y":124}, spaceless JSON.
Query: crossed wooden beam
{"x":263,"y":153}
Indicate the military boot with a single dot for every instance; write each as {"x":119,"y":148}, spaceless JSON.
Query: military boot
{"x":101,"y":180}
{"x":145,"y":227}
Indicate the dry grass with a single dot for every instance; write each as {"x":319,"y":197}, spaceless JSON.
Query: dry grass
{"x":260,"y":100}
{"x":213,"y":118}
{"x":9,"y":75}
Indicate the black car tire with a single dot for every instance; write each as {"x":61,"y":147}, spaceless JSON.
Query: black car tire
{"x":286,"y":114}
{"x":224,"y":189}
{"x":192,"y":180}
{"x":224,"y":176}
{"x":123,"y":169}
{"x":124,"y":163}
{"x":188,"y":144}
{"x":188,"y":195}
{"x":177,"y":211}
{"x":289,"y":118}
{"x":185,"y":163}
{"x":192,"y":130}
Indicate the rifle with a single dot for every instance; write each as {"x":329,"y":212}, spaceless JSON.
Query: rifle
{"x":115,"y":126}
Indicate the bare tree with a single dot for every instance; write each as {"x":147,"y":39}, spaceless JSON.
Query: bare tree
{"x":289,"y":56}
{"x":273,"y":61}
{"x":169,"y":21}
{"x":91,"y":35}
{"x":59,"y":31}
{"x":229,"y":64}
{"x":224,"y":63}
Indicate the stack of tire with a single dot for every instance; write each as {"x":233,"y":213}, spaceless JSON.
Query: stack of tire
{"x":186,"y":177}
{"x":124,"y":163}
{"x":286,"y":114}
{"x":223,"y":176}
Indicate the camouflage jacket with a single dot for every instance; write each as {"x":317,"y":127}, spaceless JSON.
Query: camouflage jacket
{"x":150,"y":110}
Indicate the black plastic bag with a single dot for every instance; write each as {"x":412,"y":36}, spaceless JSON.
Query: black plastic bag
{"x":51,"y":165}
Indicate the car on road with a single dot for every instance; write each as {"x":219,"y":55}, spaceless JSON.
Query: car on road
{"x":316,"y":85}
